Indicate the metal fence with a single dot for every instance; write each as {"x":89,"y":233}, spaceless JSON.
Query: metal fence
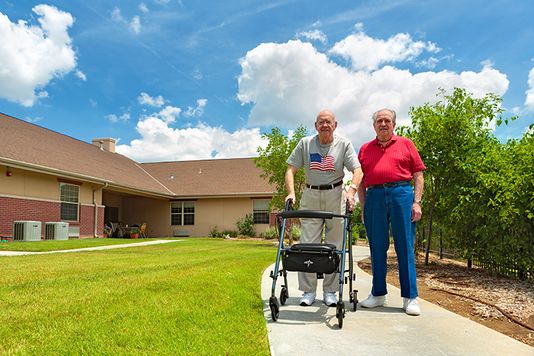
{"x":506,"y":269}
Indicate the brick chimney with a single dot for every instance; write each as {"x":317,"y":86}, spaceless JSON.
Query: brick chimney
{"x":107,"y":144}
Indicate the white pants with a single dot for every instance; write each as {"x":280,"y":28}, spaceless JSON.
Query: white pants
{"x":332,"y":200}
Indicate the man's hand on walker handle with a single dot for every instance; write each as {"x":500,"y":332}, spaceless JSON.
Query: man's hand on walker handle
{"x":350,"y":201}
{"x":289,"y":202}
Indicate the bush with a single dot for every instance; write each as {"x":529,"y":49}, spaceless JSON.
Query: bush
{"x":245,"y":226}
{"x":229,"y":233}
{"x":358,"y":232}
{"x":214,"y":232}
{"x":295,"y":232}
{"x":270,"y":234}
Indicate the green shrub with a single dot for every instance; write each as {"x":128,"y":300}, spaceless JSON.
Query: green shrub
{"x":245,"y":226}
{"x":270,"y":233}
{"x":295,"y":232}
{"x":229,"y":233}
{"x":214,"y":232}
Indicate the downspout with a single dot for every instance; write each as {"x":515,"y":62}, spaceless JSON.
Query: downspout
{"x":95,"y":231}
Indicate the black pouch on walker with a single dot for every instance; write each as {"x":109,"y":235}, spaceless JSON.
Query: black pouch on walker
{"x":312,"y":258}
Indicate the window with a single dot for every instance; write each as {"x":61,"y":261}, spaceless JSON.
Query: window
{"x":183,"y":213}
{"x":70,"y":197}
{"x":261,"y":211}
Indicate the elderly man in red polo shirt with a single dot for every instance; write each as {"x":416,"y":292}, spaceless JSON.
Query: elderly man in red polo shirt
{"x":389,"y":163}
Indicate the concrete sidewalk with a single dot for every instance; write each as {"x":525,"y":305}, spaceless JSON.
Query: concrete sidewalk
{"x":381,"y":331}
{"x":96,"y":248}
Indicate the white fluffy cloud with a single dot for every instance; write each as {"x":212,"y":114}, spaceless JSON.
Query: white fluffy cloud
{"x":160,"y":142}
{"x":118,"y":118}
{"x":135,"y":25}
{"x":529,"y":100}
{"x":198,"y":110}
{"x":288,"y":83}
{"x":31,"y":56}
{"x":366,"y":53}
{"x":169,"y":114}
{"x":146,"y":99}
{"x":314,"y":35}
{"x":143,"y":8}
{"x":80,"y":75}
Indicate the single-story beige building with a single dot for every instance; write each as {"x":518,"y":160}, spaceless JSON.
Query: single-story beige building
{"x":50,"y":177}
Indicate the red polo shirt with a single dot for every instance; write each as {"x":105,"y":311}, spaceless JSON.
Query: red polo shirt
{"x":399,"y":160}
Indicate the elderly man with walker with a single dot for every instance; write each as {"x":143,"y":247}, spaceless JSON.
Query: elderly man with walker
{"x":323,"y":157}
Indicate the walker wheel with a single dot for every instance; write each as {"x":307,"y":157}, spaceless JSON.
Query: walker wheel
{"x":354,"y":300}
{"x":275,"y":309}
{"x":340,"y":313}
{"x":283,"y":295}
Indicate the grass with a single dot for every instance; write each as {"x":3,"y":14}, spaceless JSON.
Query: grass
{"x":52,"y":245}
{"x":193,"y":297}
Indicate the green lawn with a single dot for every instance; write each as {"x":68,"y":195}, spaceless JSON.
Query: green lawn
{"x":192,"y":297}
{"x":51,"y":245}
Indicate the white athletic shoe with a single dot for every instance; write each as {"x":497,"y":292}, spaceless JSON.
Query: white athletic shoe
{"x":373,"y":302}
{"x":330,"y":299}
{"x":307,"y":299}
{"x":411,"y":306}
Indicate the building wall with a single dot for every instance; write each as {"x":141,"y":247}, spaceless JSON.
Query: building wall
{"x":29,"y":184}
{"x":20,"y":209}
{"x":153,"y":212}
{"x":217,"y":213}
{"x":26,"y":195}
{"x":220,"y":213}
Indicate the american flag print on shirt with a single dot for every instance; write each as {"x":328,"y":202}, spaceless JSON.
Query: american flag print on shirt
{"x":320,"y":163}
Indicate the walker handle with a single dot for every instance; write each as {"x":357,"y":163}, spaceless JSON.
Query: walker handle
{"x":309,"y":214}
{"x":347,"y":208}
{"x":289,"y":204}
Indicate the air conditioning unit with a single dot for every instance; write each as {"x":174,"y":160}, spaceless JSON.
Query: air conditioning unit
{"x":27,"y":230}
{"x":56,"y":231}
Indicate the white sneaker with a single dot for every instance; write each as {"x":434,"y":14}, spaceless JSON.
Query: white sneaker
{"x":330,"y":299}
{"x":373,"y":302}
{"x":411,"y":306}
{"x":307,"y":299}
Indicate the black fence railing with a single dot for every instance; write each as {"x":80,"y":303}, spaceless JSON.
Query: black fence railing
{"x":438,"y":247}
{"x":509,"y":269}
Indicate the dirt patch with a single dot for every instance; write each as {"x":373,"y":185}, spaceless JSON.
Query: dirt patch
{"x":502,"y":304}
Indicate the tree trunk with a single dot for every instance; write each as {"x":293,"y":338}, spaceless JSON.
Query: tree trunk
{"x":427,"y":250}
{"x":430,"y":218}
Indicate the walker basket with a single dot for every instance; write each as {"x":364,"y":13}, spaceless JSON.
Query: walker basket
{"x":312,"y":258}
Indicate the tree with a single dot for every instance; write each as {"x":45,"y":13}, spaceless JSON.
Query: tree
{"x":272,"y":160}
{"x":450,"y":136}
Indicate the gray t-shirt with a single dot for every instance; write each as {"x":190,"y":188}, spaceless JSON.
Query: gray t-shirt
{"x":323,"y":164}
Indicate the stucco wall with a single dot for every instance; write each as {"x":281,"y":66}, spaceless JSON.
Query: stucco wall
{"x":153,"y":212}
{"x":27,"y":184}
{"x":220,"y":213}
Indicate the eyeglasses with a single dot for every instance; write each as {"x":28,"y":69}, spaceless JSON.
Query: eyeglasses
{"x":325,"y":122}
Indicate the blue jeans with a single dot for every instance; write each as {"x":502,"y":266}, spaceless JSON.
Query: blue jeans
{"x":384,"y":207}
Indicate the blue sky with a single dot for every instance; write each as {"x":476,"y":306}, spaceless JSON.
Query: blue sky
{"x":181,"y":80}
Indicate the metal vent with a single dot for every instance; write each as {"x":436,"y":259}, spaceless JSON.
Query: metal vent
{"x":27,"y":230}
{"x":56,"y":231}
